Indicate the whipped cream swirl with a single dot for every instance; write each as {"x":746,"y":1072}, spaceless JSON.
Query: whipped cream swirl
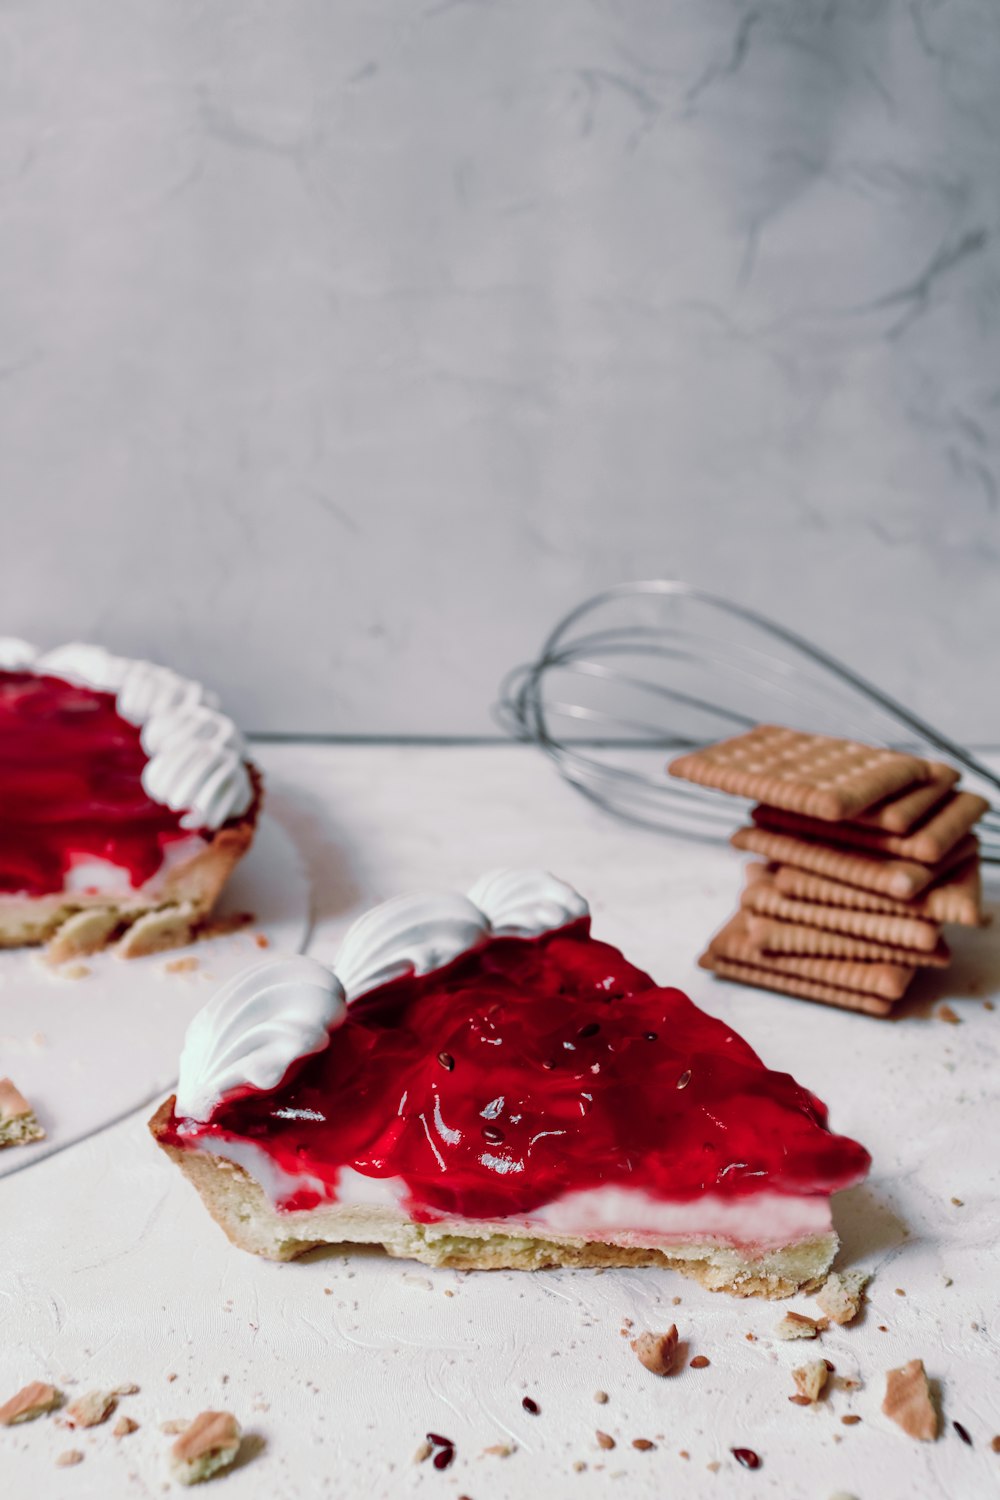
{"x":261,"y":1021}
{"x":408,"y":935}
{"x":520,"y":903}
{"x":16,"y":655}
{"x":197,"y":756}
{"x":254,"y":1028}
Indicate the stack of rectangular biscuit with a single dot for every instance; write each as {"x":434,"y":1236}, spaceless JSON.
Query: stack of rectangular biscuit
{"x":866,"y":851}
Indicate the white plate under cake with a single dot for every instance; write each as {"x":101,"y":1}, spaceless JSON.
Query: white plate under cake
{"x":126,"y":800}
{"x":483,"y":1084}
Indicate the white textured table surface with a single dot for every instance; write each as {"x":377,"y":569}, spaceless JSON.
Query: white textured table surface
{"x":112,"y":1272}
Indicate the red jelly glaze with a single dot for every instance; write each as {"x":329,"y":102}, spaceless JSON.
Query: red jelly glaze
{"x":569,"y":1069}
{"x":71,"y":787}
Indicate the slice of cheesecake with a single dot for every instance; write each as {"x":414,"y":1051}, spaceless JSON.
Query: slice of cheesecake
{"x":126,"y":799}
{"x":482,"y":1084}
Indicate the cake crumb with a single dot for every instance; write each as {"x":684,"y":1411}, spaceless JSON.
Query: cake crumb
{"x":700,"y":1362}
{"x":945,"y":1013}
{"x":262,"y":940}
{"x":123,"y":1427}
{"x":181,"y":965}
{"x":810,"y":1380}
{"x":605,"y":1440}
{"x":657,"y":1351}
{"x":714,"y":1466}
{"x":498,"y":1450}
{"x":579,"y":1466}
{"x":68,"y":1458}
{"x":842,"y":1295}
{"x":851,"y":1419}
{"x":643,"y":1444}
{"x":92,"y":1409}
{"x":424,"y":1450}
{"x":601,"y":1397}
{"x":958,"y":1202}
{"x":797,"y":1326}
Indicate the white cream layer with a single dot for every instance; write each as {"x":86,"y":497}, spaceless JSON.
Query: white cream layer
{"x":89,"y":876}
{"x":762,"y":1221}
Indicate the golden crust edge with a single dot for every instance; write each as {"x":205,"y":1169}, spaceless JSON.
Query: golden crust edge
{"x":188,"y":898}
{"x":240,"y":1207}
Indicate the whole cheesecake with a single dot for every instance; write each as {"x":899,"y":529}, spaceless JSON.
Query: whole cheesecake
{"x":484,"y":1084}
{"x":126,"y":800}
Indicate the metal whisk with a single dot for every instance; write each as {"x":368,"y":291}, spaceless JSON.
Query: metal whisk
{"x":644,"y":671}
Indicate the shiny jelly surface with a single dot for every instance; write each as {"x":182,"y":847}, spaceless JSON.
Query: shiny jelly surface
{"x":531,"y":1068}
{"x":71,"y":787}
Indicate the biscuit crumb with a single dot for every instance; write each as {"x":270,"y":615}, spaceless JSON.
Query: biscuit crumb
{"x":700,"y":1362}
{"x":601,"y":1397}
{"x":181,"y":965}
{"x":995,"y":1443}
{"x":958,"y":1202}
{"x":34,"y":1400}
{"x":123,"y":1427}
{"x":945,"y":1013}
{"x":70,"y":1457}
{"x":424,"y":1450}
{"x":210,"y":1443}
{"x":18,"y":1121}
{"x":578,"y":1467}
{"x":657,"y":1351}
{"x":605,"y":1440}
{"x":173,"y":1425}
{"x":810,"y":1380}
{"x":908,"y":1401}
{"x":92,"y":1409}
{"x":498,"y":1450}
{"x":797,"y":1326}
{"x":842,"y":1295}
{"x":643,"y":1444}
